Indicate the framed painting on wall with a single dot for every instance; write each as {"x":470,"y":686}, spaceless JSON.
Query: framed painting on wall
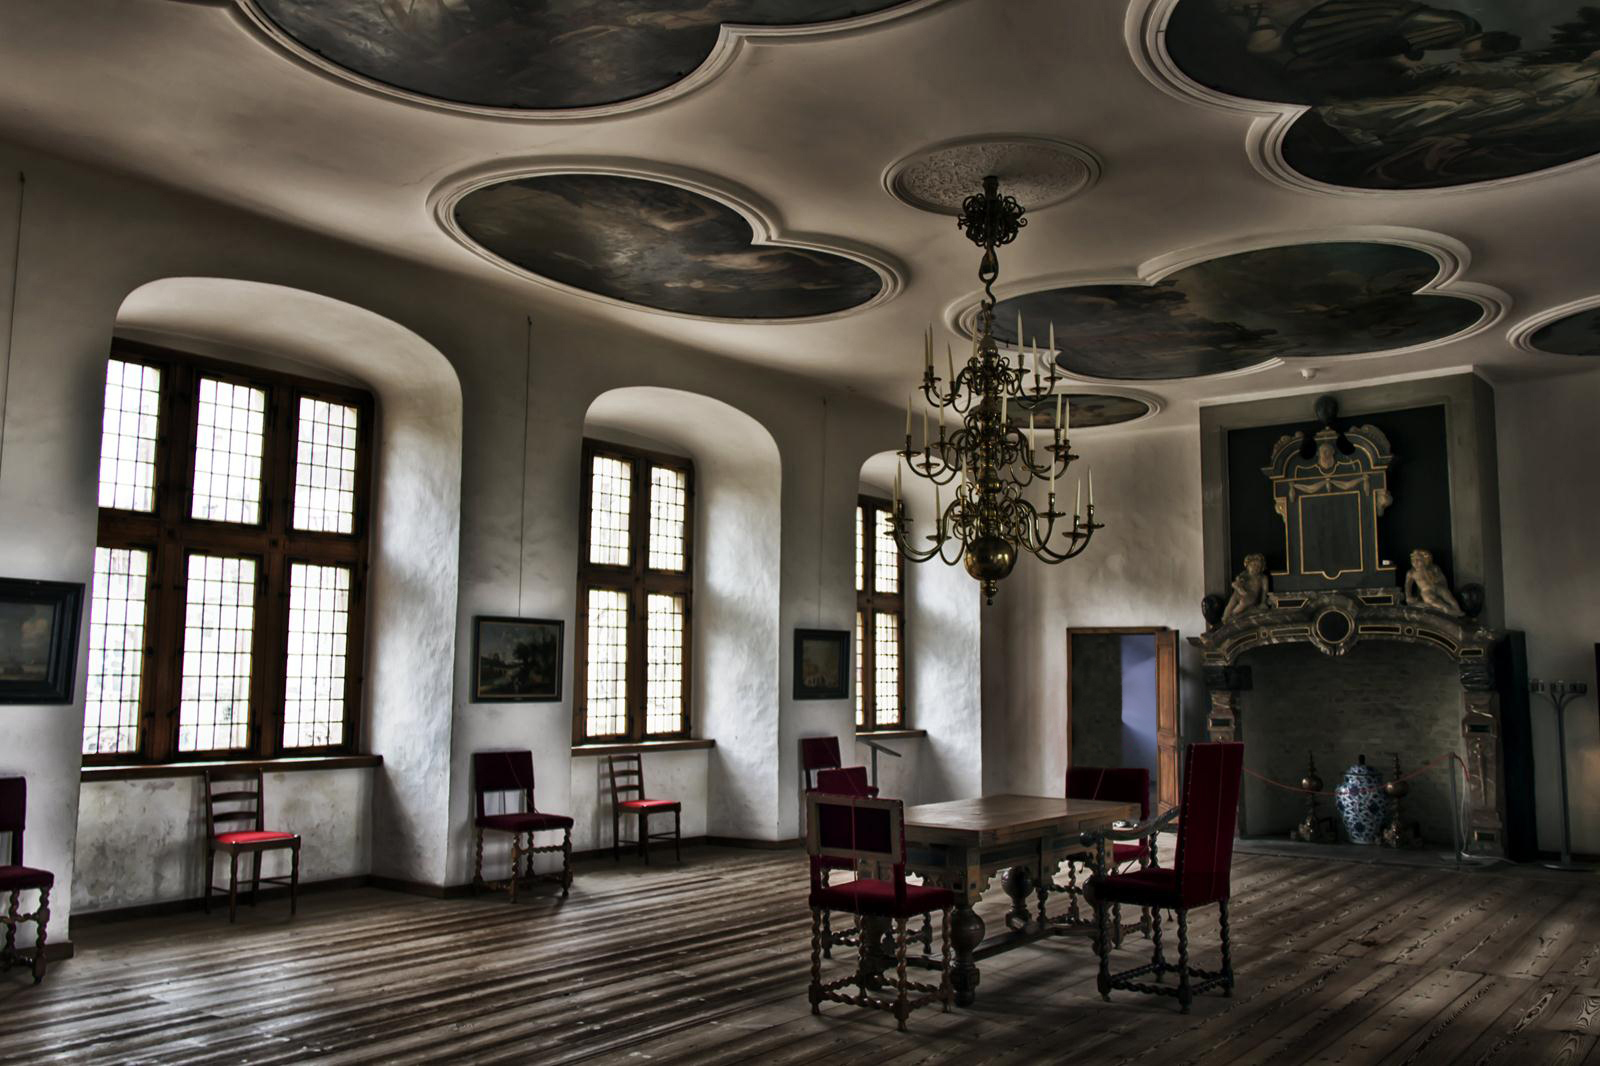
{"x":38,"y":640}
{"x":821,"y":664}
{"x":516,"y":660}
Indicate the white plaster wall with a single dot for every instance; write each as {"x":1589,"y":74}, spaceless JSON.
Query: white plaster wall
{"x":1143,"y":569}
{"x":678,"y":775}
{"x":1550,"y":509}
{"x":142,"y":841}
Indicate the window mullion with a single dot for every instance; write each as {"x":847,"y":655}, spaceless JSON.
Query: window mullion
{"x":638,"y":614}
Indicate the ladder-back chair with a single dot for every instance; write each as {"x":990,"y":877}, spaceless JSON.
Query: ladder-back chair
{"x":629,"y":797}
{"x":234,"y":826}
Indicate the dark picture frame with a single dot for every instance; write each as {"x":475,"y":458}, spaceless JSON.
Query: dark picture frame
{"x":821,"y":664}
{"x":38,"y":640}
{"x":517,"y":660}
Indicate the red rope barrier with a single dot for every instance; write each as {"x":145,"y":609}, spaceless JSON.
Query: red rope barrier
{"x":1419,"y":771}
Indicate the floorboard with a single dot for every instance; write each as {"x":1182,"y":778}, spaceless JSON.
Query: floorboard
{"x":1339,"y":963}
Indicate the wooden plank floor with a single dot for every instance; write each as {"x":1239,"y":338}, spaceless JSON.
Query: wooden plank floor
{"x":706,"y":963}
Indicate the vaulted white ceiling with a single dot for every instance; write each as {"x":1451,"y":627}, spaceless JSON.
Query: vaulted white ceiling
{"x":800,"y":128}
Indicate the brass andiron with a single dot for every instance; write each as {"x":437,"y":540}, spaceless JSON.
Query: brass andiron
{"x":1398,"y":834}
{"x":1312,"y":829}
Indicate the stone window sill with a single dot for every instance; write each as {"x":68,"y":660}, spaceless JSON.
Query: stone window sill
{"x":891,"y":734}
{"x":643,"y":747}
{"x":195,"y":769}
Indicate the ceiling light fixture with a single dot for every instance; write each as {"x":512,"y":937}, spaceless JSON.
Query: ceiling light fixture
{"x":988,"y":520}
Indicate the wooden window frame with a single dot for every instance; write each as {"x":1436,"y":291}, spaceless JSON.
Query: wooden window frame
{"x":171,"y":535}
{"x":870,"y":603}
{"x":638,"y":581}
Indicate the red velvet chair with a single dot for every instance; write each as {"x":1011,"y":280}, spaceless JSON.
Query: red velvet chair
{"x":511,"y":772}
{"x":1199,"y":875}
{"x":844,"y":781}
{"x":859,"y":829}
{"x":627,"y":779}
{"x":235,"y":804}
{"x":822,"y":753}
{"x":16,"y":879}
{"x":1126,"y":784}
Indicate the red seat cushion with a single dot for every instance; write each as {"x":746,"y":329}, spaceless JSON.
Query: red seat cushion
{"x":17,"y":878}
{"x":525,"y":822}
{"x":1121,"y":853}
{"x":647,"y":805}
{"x":1154,"y":887}
{"x":877,"y":898}
{"x":255,"y":836}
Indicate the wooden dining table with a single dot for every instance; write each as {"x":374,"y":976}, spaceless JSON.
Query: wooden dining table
{"x":962,"y":844}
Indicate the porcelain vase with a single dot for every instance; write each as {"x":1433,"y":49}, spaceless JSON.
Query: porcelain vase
{"x":1363,"y":807}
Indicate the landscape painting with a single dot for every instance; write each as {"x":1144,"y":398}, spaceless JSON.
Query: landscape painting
{"x":516,"y":659}
{"x":1239,"y":311}
{"x":38,"y":640}
{"x":656,"y":245}
{"x":532,"y":53}
{"x":1407,"y":95}
{"x":820,"y":664}
{"x":1576,"y":334}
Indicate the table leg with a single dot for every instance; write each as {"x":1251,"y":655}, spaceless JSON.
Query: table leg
{"x":966,"y":933}
{"x":876,"y":951}
{"x":1018,"y":883}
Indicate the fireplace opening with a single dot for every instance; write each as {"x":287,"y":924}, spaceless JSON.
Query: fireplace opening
{"x":1380,"y":699}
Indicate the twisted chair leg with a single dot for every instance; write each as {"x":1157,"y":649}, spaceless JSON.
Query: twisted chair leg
{"x":566,"y":861}
{"x":900,"y":1010}
{"x":944,"y":967}
{"x":1116,"y":925}
{"x":477,"y":862}
{"x":1074,"y":915}
{"x":818,"y":916}
{"x":12,"y":916}
{"x":516,"y":859}
{"x":926,"y":936}
{"x":1157,"y":959}
{"x":827,"y":923}
{"x":42,"y":918}
{"x":1227,"y":950}
{"x":1185,"y":996}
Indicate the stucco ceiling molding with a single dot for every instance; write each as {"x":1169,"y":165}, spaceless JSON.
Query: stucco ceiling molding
{"x":765,"y":223}
{"x":1520,"y":335}
{"x":1145,"y":31}
{"x":731,"y":43}
{"x":1452,"y":256}
{"x":1039,"y":171}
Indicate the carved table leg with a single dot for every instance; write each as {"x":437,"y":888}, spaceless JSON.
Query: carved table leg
{"x":876,"y":950}
{"x":966,"y":933}
{"x":1018,"y":883}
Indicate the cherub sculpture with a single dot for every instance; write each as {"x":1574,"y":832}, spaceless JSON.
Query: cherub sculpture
{"x":1249,"y":588}
{"x":1426,"y":585}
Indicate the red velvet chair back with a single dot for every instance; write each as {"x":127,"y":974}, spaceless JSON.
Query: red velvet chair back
{"x":844,"y":781}
{"x":1123,"y":784}
{"x":855,"y":828}
{"x":818,"y":753}
{"x":502,"y":771}
{"x":14,"y":813}
{"x":233,"y":808}
{"x":1211,"y":773}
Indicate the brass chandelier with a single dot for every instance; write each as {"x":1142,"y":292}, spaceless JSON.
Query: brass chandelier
{"x":988,"y":521}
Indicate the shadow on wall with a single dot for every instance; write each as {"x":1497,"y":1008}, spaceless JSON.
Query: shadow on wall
{"x":735,"y":639}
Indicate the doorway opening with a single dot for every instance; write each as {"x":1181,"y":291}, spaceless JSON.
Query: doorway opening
{"x":1122,"y":703}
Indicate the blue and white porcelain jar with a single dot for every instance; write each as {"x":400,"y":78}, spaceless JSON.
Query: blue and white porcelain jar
{"x":1362,"y":804}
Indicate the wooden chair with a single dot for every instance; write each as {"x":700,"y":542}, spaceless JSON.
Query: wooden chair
{"x":1199,"y":875}
{"x":1122,"y":785}
{"x":503,"y":772}
{"x":842,"y":781}
{"x":627,"y":779}
{"x":232,"y":805}
{"x":860,"y":829}
{"x":16,"y":879}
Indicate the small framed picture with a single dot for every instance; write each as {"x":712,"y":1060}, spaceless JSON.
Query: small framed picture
{"x":38,"y":640}
{"x":821,"y":664}
{"x":516,"y":660}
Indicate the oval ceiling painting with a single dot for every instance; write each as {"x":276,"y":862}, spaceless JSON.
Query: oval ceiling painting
{"x":656,"y":245}
{"x":1242,"y":310}
{"x":1576,"y":334}
{"x":1406,"y":95}
{"x":532,"y":54}
{"x":1090,"y":410}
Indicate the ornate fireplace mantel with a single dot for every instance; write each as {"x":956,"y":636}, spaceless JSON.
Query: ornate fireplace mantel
{"x":1335,"y":622}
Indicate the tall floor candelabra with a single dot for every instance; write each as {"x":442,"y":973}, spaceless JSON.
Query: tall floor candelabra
{"x":1562,"y":693}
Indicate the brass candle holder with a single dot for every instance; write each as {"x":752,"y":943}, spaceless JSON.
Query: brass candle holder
{"x":1397,"y":834}
{"x":1313,"y":828}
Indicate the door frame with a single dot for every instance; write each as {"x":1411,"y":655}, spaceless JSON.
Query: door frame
{"x":1168,"y":719}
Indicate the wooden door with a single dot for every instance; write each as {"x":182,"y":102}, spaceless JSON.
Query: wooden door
{"x":1166,"y":720}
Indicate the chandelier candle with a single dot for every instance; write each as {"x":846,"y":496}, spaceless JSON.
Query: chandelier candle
{"x":989,"y":522}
